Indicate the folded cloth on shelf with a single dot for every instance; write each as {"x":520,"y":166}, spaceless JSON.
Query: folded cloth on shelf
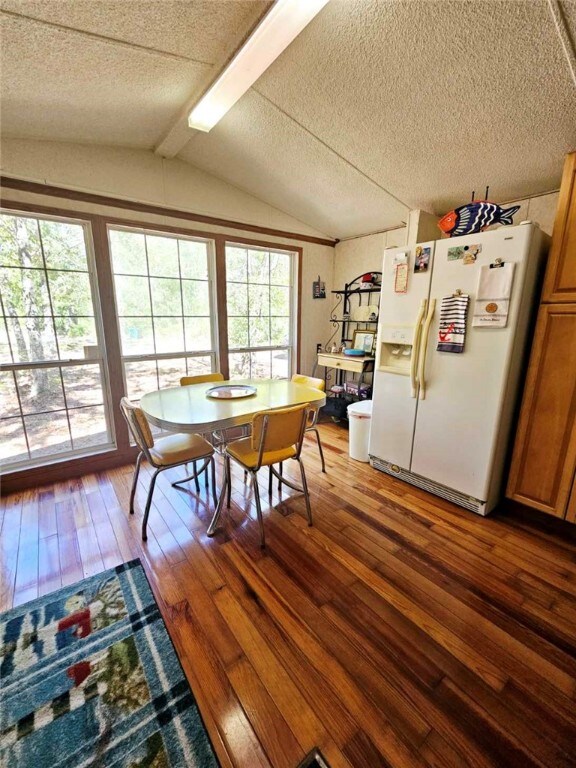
{"x":360,"y":390}
{"x":452,"y":327}
{"x":493,"y":302}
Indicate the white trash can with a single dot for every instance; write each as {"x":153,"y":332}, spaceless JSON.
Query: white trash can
{"x":359,"y":420}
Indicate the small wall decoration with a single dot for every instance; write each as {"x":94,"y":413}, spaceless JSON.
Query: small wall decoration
{"x":318,"y":289}
{"x":421,"y":259}
{"x":476,"y":216}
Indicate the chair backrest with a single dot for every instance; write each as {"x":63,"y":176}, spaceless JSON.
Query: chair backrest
{"x":138,"y":425}
{"x":309,"y":381}
{"x":185,"y":381}
{"x":281,"y":428}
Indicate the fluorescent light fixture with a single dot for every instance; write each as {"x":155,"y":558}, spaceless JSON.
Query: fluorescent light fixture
{"x":283,"y":22}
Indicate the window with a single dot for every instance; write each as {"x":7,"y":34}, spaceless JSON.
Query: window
{"x":54,"y":398}
{"x":165,"y":307}
{"x":261,"y":312}
{"x":55,"y":401}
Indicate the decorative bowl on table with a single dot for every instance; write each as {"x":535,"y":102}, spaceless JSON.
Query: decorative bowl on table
{"x":231,"y":391}
{"x":354,"y":352}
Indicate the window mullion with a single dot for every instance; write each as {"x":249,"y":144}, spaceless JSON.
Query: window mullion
{"x":56,"y":340}
{"x":48,"y":289}
{"x":24,"y":429}
{"x":182,"y":301}
{"x":151,"y":308}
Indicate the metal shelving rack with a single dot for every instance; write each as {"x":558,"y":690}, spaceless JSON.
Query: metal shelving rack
{"x":353,"y":289}
{"x":344,"y":305}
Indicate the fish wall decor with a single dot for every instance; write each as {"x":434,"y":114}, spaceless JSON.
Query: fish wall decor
{"x":475,"y":217}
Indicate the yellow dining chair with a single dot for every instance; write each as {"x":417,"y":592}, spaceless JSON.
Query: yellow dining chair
{"x":277,"y":435}
{"x":185,"y":381}
{"x":315,"y":383}
{"x":202,"y":378}
{"x":164,"y":453}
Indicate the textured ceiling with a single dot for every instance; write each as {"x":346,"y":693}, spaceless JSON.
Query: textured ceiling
{"x":377,"y":107}
{"x":428,"y":100}
{"x":202,"y":30}
{"x":87,"y":90}
{"x":111,"y":72}
{"x":258,"y":148}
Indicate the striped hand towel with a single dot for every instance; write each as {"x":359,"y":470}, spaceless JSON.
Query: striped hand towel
{"x":452,"y":328}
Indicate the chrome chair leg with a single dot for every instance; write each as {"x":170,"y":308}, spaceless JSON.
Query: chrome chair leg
{"x":148,"y":504}
{"x":213,"y":465}
{"x":280,"y":474}
{"x":314,"y":429}
{"x":306,"y":494}
{"x":229,"y":474}
{"x":135,"y":481}
{"x":258,"y":508}
{"x":194,"y":475}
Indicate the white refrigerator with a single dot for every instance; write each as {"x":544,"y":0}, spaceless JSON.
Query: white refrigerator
{"x":442,"y":420}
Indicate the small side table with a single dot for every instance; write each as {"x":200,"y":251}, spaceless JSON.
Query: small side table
{"x":341,"y":362}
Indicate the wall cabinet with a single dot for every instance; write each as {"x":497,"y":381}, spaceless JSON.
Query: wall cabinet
{"x":543,"y":470}
{"x":560,"y":280}
{"x":544,"y":460}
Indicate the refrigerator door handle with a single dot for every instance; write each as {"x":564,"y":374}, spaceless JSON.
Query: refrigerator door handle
{"x":424,"y":348}
{"x":416,"y":347}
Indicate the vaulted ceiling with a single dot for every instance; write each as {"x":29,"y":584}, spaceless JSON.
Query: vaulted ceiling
{"x":377,"y":107}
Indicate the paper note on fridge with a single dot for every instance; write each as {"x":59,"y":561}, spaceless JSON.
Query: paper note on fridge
{"x":493,"y":296}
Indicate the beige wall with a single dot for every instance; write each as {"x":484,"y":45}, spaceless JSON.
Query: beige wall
{"x":364,"y":254}
{"x":139,"y":175}
{"x":144,"y":177}
{"x":540,"y":209}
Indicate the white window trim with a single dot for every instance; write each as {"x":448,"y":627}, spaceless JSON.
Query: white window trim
{"x":100,"y":358}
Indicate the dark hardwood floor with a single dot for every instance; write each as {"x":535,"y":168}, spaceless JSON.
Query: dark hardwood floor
{"x":398,"y":631}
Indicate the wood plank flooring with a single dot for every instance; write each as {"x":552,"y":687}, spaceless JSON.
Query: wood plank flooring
{"x":398,"y":631}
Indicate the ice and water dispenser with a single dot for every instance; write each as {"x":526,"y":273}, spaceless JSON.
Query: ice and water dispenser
{"x":395,"y":348}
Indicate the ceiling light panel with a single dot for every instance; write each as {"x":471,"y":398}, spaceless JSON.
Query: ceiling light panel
{"x":283,"y":22}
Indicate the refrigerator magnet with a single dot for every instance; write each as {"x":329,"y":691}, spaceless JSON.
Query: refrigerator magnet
{"x":468,"y":253}
{"x":400,"y":258}
{"x":421,"y":259}
{"x":401,"y":279}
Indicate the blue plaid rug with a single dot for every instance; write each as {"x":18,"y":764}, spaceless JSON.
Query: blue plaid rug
{"x":89,"y":677}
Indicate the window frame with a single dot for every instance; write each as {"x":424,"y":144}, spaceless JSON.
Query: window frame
{"x":100,"y":359}
{"x":69,"y":204}
{"x":213,"y":353}
{"x":293,"y":346}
